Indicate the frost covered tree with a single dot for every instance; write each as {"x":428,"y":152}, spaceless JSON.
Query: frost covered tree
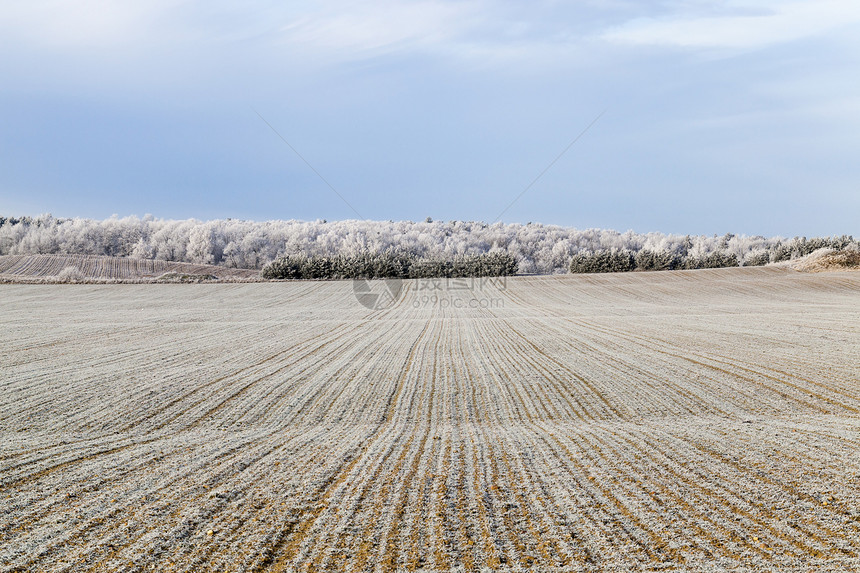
{"x":539,"y":249}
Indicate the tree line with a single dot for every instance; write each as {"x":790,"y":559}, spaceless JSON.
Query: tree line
{"x":625,"y":260}
{"x":435,"y":246}
{"x":389,"y":264}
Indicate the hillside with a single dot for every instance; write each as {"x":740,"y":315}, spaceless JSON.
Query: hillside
{"x":101,"y":269}
{"x":89,"y":268}
{"x":828,"y":260}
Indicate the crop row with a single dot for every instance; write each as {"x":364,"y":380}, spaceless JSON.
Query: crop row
{"x":698,"y":419}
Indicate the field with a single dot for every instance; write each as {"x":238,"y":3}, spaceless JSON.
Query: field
{"x":688,"y":420}
{"x":46,"y":268}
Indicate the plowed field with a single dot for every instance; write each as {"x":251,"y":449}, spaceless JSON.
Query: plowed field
{"x":688,"y":420}
{"x":44,"y":268}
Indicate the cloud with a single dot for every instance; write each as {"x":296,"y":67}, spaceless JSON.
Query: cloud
{"x":751,"y":25}
{"x":482,"y":33}
{"x":85,"y":23}
{"x":336,"y":28}
{"x":350,"y":31}
{"x":345,"y":30}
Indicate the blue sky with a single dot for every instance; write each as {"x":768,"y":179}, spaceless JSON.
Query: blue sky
{"x":736,"y":116}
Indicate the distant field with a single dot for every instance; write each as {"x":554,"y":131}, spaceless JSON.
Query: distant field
{"x":686,"y":420}
{"x":35,"y":268}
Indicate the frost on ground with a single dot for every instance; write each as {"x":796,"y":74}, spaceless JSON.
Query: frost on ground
{"x":35,"y":269}
{"x":692,"y":420}
{"x":825,"y":260}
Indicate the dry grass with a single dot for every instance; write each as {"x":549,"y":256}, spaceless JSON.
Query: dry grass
{"x":826,"y":260}
{"x":693,"y":420}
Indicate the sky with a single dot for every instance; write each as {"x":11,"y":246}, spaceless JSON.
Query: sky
{"x":686,"y":116}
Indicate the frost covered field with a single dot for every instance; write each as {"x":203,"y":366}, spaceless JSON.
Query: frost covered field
{"x":700,"y":420}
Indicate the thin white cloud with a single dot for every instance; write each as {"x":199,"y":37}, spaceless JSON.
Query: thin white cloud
{"x":771,"y":23}
{"x":481,"y":32}
{"x":477,"y":32}
{"x":333,"y":30}
{"x":353,"y":31}
{"x":85,"y":23}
